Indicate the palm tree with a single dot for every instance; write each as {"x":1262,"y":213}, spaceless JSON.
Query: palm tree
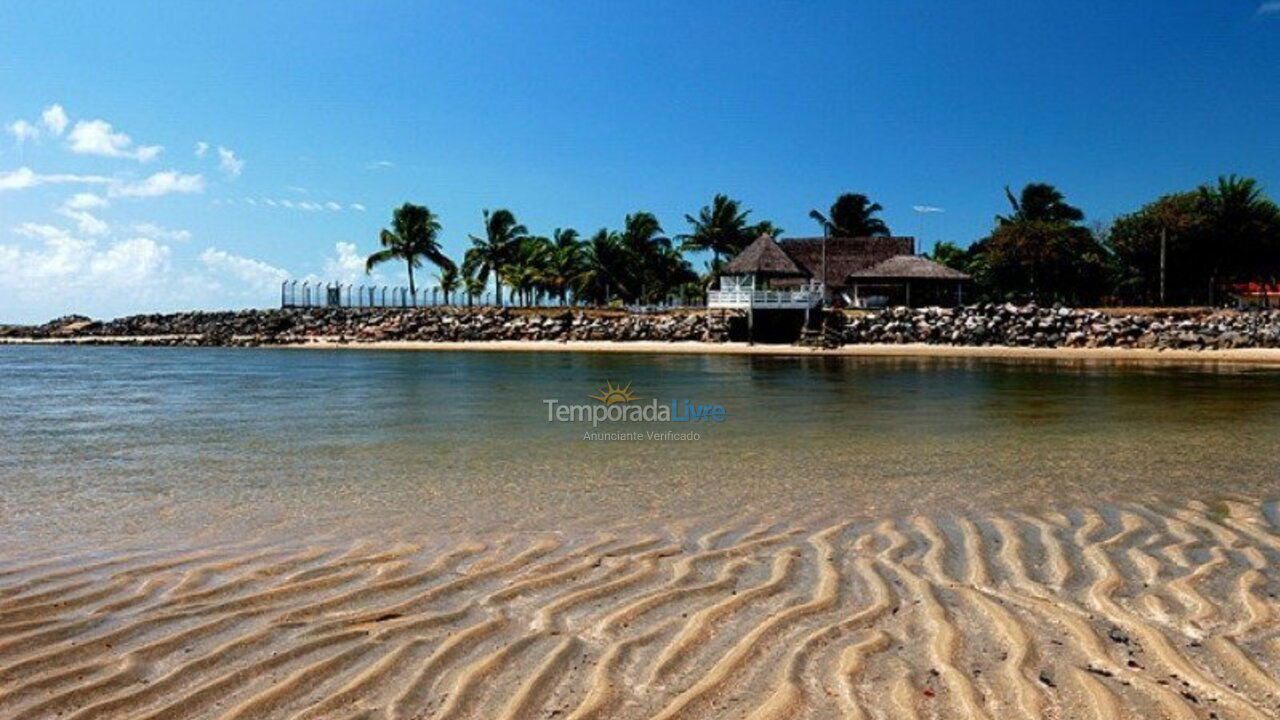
{"x":642,"y":239}
{"x":720,"y":228}
{"x":473,"y":285}
{"x":563,"y":263}
{"x":449,"y":280}
{"x":412,"y":236}
{"x":765,"y":227}
{"x":527,"y":266}
{"x":1039,"y":202}
{"x":1245,"y":226}
{"x":604,"y":262}
{"x":853,"y":215}
{"x":489,"y":254}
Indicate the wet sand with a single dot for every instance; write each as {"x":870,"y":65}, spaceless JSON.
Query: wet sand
{"x":1260,"y":356}
{"x":1115,"y":611}
{"x":1256,"y":356}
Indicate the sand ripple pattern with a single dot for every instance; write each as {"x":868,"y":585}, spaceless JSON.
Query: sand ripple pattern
{"x":1128,"y":611}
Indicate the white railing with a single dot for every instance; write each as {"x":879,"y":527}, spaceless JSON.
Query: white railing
{"x":785,"y":299}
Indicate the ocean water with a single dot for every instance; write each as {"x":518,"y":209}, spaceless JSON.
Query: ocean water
{"x":106,"y":446}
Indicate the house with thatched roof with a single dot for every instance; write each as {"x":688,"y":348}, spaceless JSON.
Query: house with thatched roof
{"x":801,"y":273}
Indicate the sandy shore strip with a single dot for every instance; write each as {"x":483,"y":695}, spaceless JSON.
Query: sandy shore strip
{"x":1102,"y":612}
{"x":1251,"y":356}
{"x":1268,"y":356}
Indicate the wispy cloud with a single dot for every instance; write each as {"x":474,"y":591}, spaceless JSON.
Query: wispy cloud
{"x":202,"y":148}
{"x":381,"y":164}
{"x":1269,"y":8}
{"x":98,"y":137}
{"x":25,"y":177}
{"x":247,"y":270}
{"x":303,"y":205}
{"x":229,"y":163}
{"x":22,"y":131}
{"x":161,"y":183}
{"x":54,"y":119}
{"x":927,"y":209}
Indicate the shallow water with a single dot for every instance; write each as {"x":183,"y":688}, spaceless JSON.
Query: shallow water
{"x":134,"y":446}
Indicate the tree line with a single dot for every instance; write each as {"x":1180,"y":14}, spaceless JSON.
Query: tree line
{"x":1184,"y":248}
{"x":1206,"y":240}
{"x":637,"y":264}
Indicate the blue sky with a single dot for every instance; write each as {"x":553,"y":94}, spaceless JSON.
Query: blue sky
{"x":574,"y":114}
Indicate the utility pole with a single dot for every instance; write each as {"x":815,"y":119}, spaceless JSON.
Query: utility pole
{"x":1164,"y":242}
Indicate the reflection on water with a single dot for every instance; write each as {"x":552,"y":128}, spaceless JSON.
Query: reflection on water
{"x":108,"y":444}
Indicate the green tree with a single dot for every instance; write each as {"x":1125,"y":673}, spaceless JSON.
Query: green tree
{"x":952,"y":255}
{"x":489,"y":254}
{"x":563,"y":263}
{"x":449,"y":280}
{"x":1040,"y":252}
{"x":412,"y":237}
{"x":1244,"y":229}
{"x":719,"y":228}
{"x":1039,"y":202}
{"x":604,"y":264}
{"x":854,"y":215}
{"x":1134,"y":240}
{"x":527,"y":267}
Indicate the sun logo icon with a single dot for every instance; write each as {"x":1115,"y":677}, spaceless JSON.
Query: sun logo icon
{"x":611,"y":394}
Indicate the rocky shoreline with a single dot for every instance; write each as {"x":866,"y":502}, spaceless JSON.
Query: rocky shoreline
{"x":985,"y":325}
{"x":1057,"y":327}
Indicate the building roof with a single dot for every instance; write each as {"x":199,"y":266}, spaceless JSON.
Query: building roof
{"x":845,"y":256}
{"x":764,"y":257}
{"x":908,"y":267}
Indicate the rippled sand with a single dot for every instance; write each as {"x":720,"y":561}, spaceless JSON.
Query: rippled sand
{"x":1117,"y":611}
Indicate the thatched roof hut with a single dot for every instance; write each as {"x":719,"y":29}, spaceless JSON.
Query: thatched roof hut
{"x":907,"y":267}
{"x":764,"y":258}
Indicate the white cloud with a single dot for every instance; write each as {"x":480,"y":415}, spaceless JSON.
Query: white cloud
{"x":230,"y":164}
{"x":87,"y":223}
{"x":151,"y":230}
{"x":22,"y":131}
{"x":1269,"y":8}
{"x":357,"y":207}
{"x":927,"y":209}
{"x":54,"y":119}
{"x":331,"y":205}
{"x":202,"y":149}
{"x":25,"y":177}
{"x":255,"y":273}
{"x":130,"y":262}
{"x":74,"y":262}
{"x":85,"y":201}
{"x":381,"y":164}
{"x":347,"y":266}
{"x":161,"y":183}
{"x":97,"y":137}
{"x":296,"y":188}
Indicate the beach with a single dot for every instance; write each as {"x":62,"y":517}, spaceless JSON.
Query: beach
{"x":1106,"y":612}
{"x":302,"y":533}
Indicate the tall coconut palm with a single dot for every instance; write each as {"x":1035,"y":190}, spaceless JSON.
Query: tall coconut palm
{"x":1245,"y":228}
{"x":474,"y":286}
{"x":647,"y":247}
{"x":720,"y":228}
{"x":449,"y":281}
{"x":489,"y":254}
{"x":853,"y":215}
{"x":412,"y":237}
{"x":527,"y":266}
{"x":604,"y":264}
{"x":1039,"y":202}
{"x":563,"y":263}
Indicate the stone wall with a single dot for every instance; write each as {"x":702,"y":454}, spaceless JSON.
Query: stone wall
{"x":1032,"y":326}
{"x":275,"y":327}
